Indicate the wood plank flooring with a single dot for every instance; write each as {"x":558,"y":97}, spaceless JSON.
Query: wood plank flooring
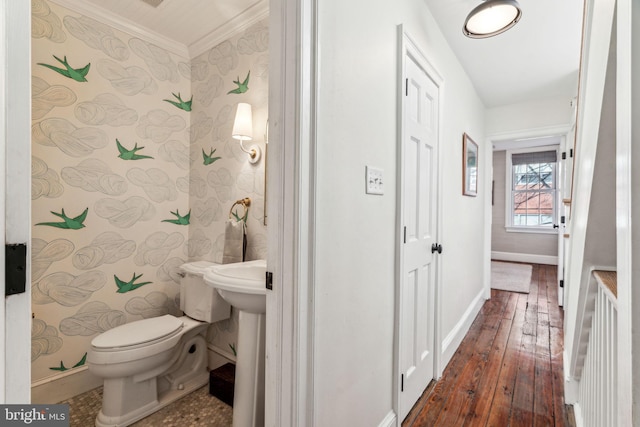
{"x":508,"y":369}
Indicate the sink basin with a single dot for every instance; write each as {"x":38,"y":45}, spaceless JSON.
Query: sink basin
{"x":241,"y":284}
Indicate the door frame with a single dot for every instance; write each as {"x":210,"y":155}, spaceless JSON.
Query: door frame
{"x":505,"y":141}
{"x":292,"y":171}
{"x":289,"y":367}
{"x":15,"y":202}
{"x":293,"y":79}
{"x":408,"y":48}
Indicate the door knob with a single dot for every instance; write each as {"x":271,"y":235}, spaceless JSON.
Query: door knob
{"x":436,"y":248}
{"x":555,"y":226}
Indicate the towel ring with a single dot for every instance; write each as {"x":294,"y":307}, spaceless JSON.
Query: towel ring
{"x":246,"y":202}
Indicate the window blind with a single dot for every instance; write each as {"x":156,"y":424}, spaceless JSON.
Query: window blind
{"x":535,"y":157}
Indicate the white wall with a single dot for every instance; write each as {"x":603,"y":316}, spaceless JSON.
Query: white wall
{"x":355,"y":233}
{"x":600,"y":243}
{"x":627,"y":206}
{"x":537,"y":114}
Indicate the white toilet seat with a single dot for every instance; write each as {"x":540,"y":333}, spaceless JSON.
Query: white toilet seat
{"x":136,"y":340}
{"x":136,"y":333}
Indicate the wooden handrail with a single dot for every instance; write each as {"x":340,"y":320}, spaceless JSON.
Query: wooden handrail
{"x":608,"y":279}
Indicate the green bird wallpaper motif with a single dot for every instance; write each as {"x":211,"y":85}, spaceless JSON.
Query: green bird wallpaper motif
{"x":181,"y":220}
{"x":77,"y":74}
{"x":127,"y":154}
{"x":242,"y":87}
{"x":208,"y":158}
{"x":130,"y":285}
{"x":183,"y":105}
{"x":90,"y":280}
{"x":68,"y":223}
{"x":63,"y":368}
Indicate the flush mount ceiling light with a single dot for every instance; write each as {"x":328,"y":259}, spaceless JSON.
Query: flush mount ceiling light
{"x":491,"y":18}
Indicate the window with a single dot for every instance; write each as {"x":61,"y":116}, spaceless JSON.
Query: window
{"x":531,"y":204}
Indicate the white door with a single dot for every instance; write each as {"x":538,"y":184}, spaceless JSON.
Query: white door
{"x":418,"y":213}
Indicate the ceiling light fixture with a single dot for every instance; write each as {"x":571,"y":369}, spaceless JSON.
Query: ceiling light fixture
{"x":491,"y":18}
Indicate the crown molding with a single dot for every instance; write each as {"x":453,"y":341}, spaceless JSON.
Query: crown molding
{"x":123,"y":24}
{"x":241,"y":22}
{"x":528,"y":137}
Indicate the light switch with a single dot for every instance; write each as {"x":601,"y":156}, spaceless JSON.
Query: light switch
{"x":375,"y":183}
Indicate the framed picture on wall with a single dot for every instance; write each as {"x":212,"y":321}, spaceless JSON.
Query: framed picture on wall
{"x":469,"y":166}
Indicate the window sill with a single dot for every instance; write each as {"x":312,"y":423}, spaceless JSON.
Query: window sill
{"x":533,"y":230}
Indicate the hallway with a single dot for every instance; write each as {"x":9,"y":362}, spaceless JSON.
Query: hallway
{"x":508,"y":369}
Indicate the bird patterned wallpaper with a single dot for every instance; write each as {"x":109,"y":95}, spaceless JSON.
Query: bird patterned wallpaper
{"x":133,"y":173}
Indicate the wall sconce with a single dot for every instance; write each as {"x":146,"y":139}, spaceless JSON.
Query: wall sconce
{"x":491,"y":18}
{"x":243,"y":130}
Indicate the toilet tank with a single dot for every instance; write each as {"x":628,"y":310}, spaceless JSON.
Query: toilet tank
{"x":198,"y":300}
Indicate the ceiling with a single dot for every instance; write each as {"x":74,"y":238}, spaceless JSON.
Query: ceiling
{"x":536,"y":59}
{"x":193,"y":25}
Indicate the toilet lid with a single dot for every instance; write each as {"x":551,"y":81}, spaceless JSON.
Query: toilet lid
{"x":139,"y":332}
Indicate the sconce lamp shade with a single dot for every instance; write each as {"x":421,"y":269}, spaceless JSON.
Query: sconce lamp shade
{"x":243,"y":124}
{"x":243,"y":130}
{"x":491,"y":18}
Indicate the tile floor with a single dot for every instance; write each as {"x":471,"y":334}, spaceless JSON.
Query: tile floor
{"x":196,"y":409}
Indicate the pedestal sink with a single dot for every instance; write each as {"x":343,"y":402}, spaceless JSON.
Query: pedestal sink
{"x":243,"y":286}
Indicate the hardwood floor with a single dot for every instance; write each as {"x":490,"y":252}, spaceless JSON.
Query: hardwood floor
{"x":508,"y":369}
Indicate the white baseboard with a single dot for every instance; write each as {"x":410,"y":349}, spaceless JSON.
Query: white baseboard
{"x":531,"y":258}
{"x":577,"y":412}
{"x":452,"y":341}
{"x":571,"y":390}
{"x":63,"y":386}
{"x":389,"y":420}
{"x":571,"y":384}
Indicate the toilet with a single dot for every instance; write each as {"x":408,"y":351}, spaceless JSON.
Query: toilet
{"x":150,"y":363}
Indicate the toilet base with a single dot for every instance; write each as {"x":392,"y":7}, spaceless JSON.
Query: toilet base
{"x":126,"y":400}
{"x":167,"y":398}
